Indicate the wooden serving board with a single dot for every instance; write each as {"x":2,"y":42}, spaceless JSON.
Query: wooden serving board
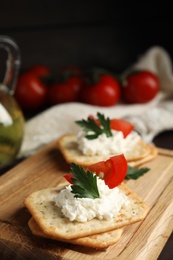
{"x":143,"y":240}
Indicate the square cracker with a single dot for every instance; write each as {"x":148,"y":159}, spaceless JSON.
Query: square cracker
{"x":68,"y":146}
{"x":97,"y":241}
{"x":52,"y":222}
{"x":151,"y":156}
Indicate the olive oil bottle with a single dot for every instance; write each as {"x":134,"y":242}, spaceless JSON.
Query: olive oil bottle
{"x":11,"y":116}
{"x":11,"y":128}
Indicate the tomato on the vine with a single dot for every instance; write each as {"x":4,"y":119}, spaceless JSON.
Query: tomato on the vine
{"x":30,"y":92}
{"x":104,"y":92}
{"x":67,"y":86}
{"x":43,"y":73}
{"x":140,"y":86}
{"x":40,"y":70}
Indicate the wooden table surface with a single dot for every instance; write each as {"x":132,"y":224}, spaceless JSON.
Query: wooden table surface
{"x":165,"y":140}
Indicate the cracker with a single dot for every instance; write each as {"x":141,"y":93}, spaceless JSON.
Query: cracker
{"x":151,"y":156}
{"x":68,"y":146}
{"x":52,"y":222}
{"x":97,"y":241}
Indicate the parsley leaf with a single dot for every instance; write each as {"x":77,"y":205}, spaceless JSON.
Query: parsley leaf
{"x":135,"y":173}
{"x":85,"y":182}
{"x":90,"y":125}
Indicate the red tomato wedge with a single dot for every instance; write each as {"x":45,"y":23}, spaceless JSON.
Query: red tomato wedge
{"x":68,"y":177}
{"x":121,"y":125}
{"x":118,"y":125}
{"x":113,"y":170}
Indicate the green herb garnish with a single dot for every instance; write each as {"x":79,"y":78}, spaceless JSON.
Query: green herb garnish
{"x":85,"y":182}
{"x":90,"y":125}
{"x":135,"y":173}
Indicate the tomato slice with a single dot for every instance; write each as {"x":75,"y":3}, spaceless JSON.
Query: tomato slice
{"x":95,"y":119}
{"x":68,"y":177}
{"x":118,"y":125}
{"x":113,"y":171}
{"x":121,"y":125}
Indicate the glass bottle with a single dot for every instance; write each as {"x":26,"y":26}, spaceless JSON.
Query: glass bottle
{"x":11,"y":116}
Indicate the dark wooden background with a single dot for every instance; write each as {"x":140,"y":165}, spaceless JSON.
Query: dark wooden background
{"x":109,"y":34}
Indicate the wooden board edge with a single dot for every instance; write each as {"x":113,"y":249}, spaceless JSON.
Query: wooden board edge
{"x":166,"y":152}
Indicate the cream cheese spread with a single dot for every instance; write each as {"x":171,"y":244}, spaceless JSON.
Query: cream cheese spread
{"x":84,"y":209}
{"x":104,"y":145}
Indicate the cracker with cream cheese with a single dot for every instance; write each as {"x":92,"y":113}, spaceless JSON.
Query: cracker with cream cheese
{"x":52,"y":222}
{"x":67,"y":144}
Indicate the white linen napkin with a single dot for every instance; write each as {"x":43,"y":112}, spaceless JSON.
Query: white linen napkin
{"x":149,"y":119}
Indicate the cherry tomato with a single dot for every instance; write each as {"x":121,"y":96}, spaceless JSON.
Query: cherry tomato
{"x":43,"y":72}
{"x":66,"y":88}
{"x":113,"y":171}
{"x":30,"y":92}
{"x":40,"y":70}
{"x":106,"y":92}
{"x":140,"y":87}
{"x":118,"y":125}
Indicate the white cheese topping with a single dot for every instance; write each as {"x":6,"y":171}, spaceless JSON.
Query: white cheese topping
{"x":83,"y":209}
{"x":104,"y":145}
